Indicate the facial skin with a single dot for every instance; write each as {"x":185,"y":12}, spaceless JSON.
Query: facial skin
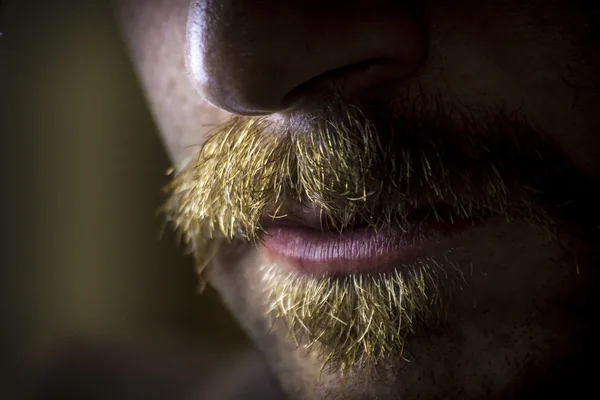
{"x":517,"y":293}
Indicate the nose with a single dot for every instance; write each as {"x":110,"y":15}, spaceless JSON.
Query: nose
{"x":247,"y":57}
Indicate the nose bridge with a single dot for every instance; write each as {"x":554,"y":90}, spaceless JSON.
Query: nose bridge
{"x":245,"y":56}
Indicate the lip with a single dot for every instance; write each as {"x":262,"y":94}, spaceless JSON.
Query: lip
{"x":361,"y":250}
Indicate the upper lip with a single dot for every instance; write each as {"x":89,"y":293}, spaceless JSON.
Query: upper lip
{"x":308,"y":216}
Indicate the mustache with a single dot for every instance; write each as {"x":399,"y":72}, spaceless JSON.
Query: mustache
{"x":374,"y":165}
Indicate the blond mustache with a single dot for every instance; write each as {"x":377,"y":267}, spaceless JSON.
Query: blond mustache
{"x":349,"y":170}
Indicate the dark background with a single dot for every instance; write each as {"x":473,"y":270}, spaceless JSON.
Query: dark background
{"x":94,"y":304}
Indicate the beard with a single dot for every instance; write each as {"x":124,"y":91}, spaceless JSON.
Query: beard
{"x":380,"y":167}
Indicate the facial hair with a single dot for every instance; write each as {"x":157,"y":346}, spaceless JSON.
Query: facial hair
{"x":375,"y":167}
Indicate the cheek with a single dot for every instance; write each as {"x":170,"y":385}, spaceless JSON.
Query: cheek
{"x":155,"y":31}
{"x":579,"y":135}
{"x":540,"y":62}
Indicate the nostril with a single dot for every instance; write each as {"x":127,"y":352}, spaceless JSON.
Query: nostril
{"x":342,"y":81}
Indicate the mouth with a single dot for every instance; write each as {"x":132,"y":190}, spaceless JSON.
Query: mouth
{"x":314,"y":249}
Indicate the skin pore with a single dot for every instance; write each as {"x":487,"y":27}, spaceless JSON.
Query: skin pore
{"x":492,"y":109}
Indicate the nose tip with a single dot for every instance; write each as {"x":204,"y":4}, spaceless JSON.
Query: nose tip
{"x":247,"y":57}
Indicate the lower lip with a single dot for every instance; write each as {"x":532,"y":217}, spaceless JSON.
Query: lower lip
{"x":363,"y":250}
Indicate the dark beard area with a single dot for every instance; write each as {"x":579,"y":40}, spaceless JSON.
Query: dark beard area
{"x":572,"y":376}
{"x":571,"y":371}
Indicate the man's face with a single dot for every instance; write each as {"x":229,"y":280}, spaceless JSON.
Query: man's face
{"x":396,"y":199}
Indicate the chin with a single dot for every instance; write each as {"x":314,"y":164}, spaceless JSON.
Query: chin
{"x":520,"y":319}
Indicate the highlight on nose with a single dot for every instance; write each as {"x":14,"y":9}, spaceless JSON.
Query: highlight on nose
{"x":247,"y":57}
